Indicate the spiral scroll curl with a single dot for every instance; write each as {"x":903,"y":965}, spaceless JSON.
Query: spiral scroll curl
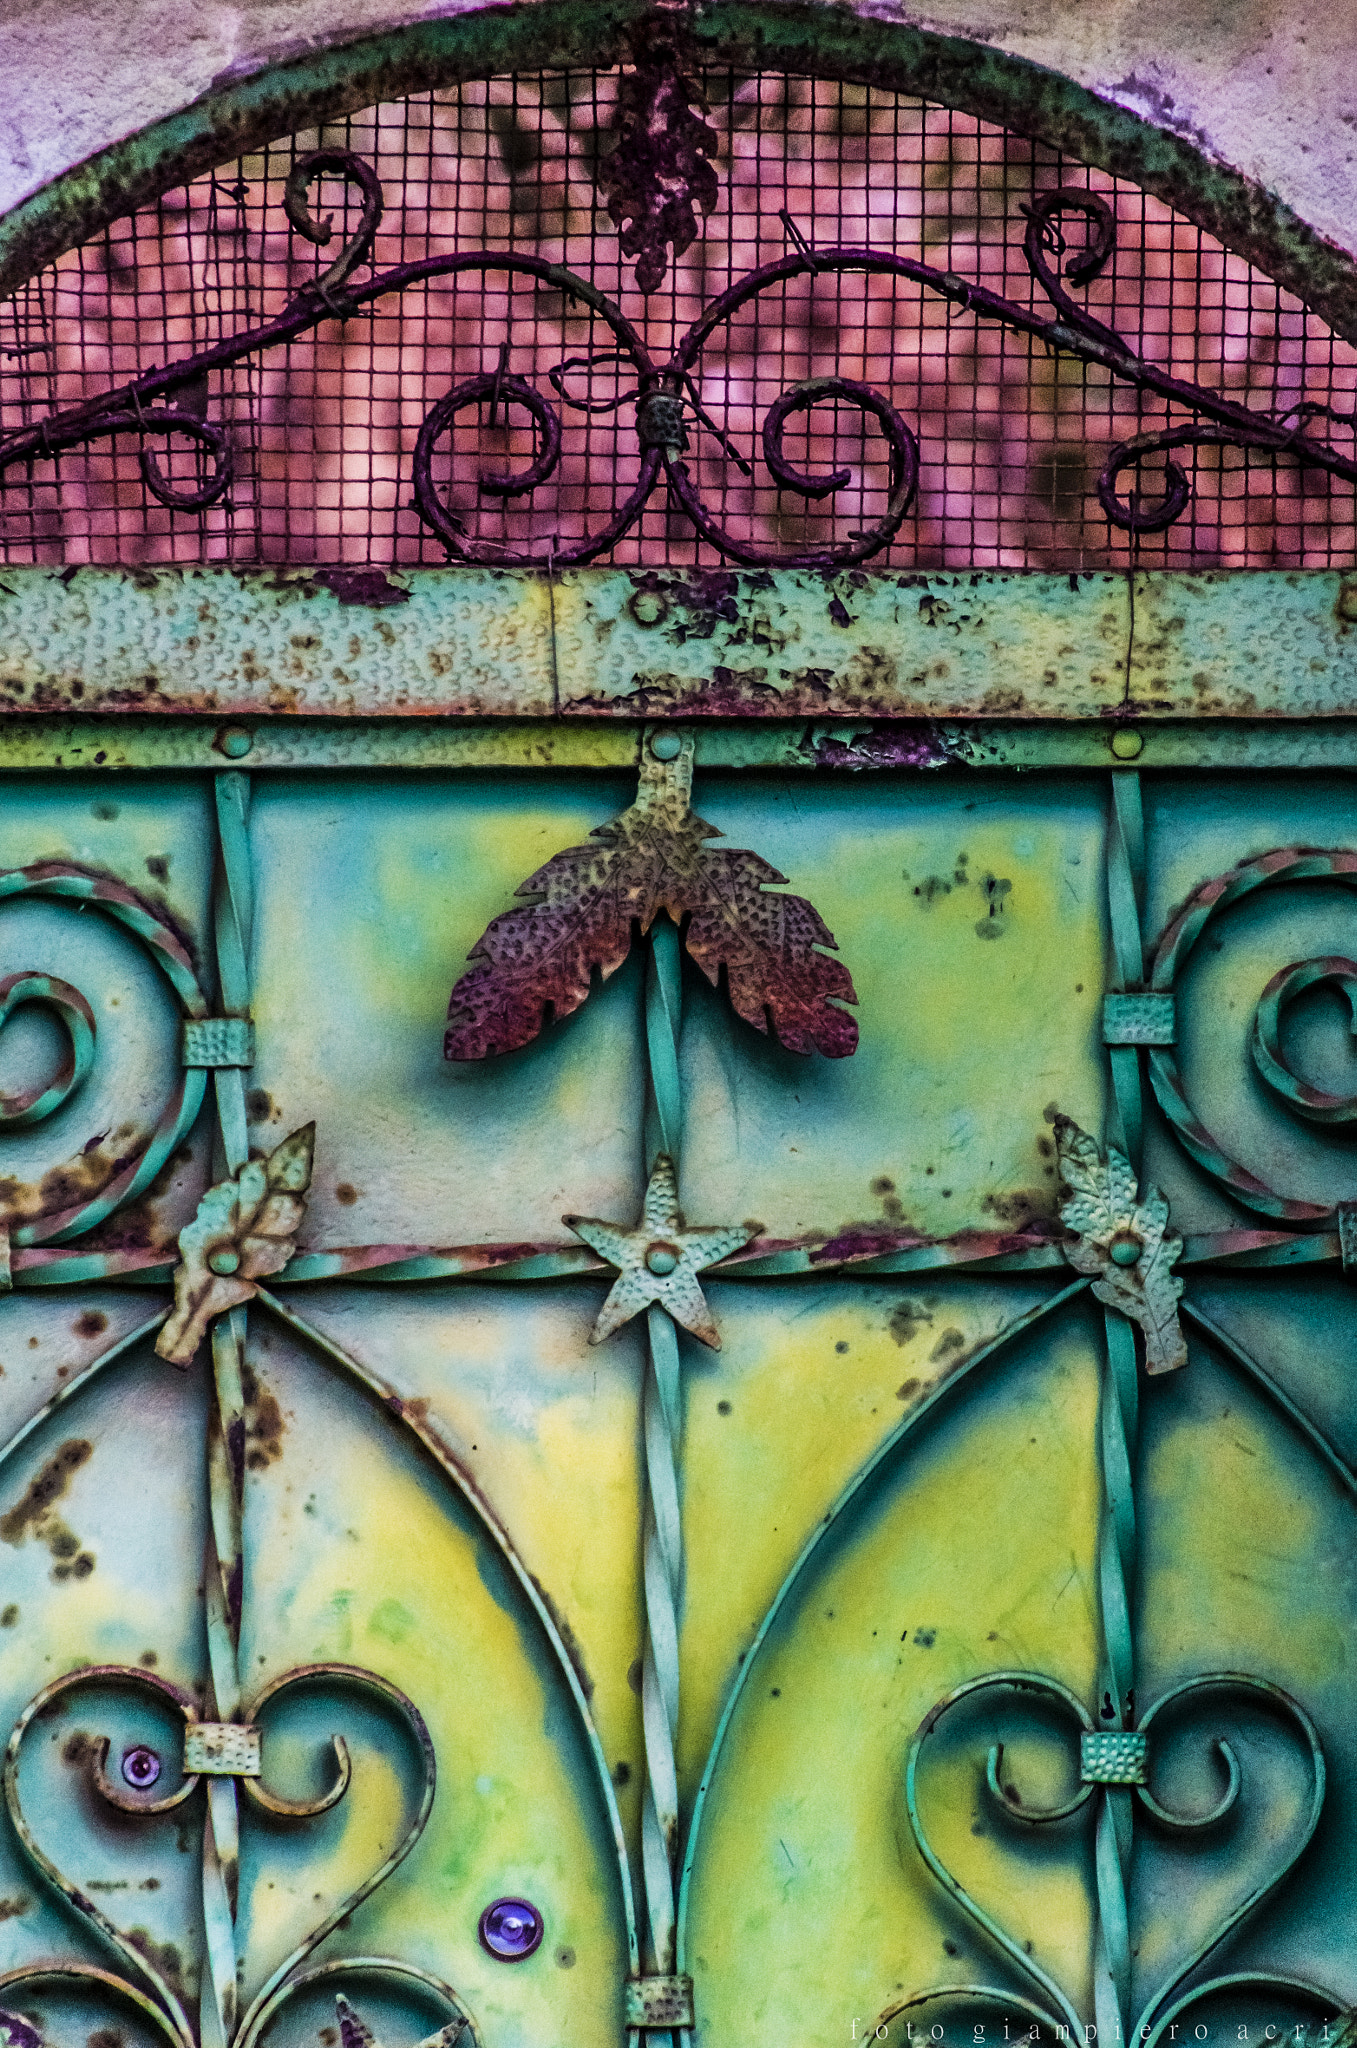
{"x":32,"y":1217}
{"x":144,"y":1985}
{"x":341,"y":163}
{"x":76,"y":1018}
{"x":1283,"y":864}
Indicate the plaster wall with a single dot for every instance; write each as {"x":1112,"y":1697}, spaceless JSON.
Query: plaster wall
{"x":1266,"y":86}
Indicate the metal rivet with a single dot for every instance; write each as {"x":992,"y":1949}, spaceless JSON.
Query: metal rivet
{"x":224,"y":1262}
{"x":662,"y":1258}
{"x":141,"y":1767}
{"x":1126,"y":744}
{"x":234,"y":742}
{"x":511,"y":1929}
{"x":1125,"y":1248}
{"x":666,"y":746}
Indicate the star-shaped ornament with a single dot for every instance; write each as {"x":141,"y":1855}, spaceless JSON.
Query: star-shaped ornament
{"x":658,"y":1259}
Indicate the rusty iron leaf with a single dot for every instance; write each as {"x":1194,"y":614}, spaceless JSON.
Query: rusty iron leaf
{"x":536,"y":963}
{"x":658,"y":172}
{"x":245,"y":1229}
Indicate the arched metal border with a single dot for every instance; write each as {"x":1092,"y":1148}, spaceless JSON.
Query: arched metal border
{"x":811,"y":37}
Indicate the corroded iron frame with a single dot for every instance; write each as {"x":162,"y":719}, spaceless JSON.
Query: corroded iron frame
{"x":817,"y":39}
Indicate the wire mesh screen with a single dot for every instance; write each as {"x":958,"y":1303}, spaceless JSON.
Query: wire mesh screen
{"x":324,"y":429}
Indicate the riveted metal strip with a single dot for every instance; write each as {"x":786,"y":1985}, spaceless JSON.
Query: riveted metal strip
{"x":217,"y":1042}
{"x":222,"y":1749}
{"x":1112,"y":1758}
{"x":663,"y":2002}
{"x":1139,"y":1020}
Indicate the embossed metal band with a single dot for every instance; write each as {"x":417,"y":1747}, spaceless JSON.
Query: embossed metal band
{"x":659,"y":2002}
{"x":1114,"y":1758}
{"x":1138,"y":1020}
{"x":222,"y":1749}
{"x":217,"y":1042}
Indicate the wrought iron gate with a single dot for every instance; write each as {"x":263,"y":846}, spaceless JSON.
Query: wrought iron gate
{"x":799,"y":1483}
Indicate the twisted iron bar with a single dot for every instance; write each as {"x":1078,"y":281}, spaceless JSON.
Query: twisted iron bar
{"x":662,"y":1537}
{"x":232,"y":909}
{"x":172,"y":400}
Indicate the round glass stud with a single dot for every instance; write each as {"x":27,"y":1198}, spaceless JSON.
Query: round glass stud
{"x":141,"y":1767}
{"x":1125,"y":1248}
{"x":511,"y":1929}
{"x":224,"y":1262}
{"x":661,"y":1258}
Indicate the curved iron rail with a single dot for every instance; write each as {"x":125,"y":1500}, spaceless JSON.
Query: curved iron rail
{"x":171,"y":400}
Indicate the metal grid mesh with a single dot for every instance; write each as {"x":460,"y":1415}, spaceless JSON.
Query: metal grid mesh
{"x":1010,"y":437}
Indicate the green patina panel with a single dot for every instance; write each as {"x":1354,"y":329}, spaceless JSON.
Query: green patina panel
{"x":752,"y":1673}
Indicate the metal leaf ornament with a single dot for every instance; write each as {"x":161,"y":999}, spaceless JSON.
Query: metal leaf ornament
{"x":1122,"y":1240}
{"x":245,"y":1229}
{"x":658,"y":171}
{"x":537,"y":963}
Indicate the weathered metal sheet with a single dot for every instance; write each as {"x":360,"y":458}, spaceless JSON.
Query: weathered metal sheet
{"x":848,"y":746}
{"x":690,"y":1659}
{"x":780,"y":644}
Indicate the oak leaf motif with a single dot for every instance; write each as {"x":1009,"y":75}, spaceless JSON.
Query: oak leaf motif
{"x":538,"y":962}
{"x":1123,"y":1241}
{"x":245,"y":1229}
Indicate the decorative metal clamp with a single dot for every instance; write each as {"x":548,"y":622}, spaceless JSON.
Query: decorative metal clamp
{"x":1113,"y":1758}
{"x":222,"y":1749}
{"x":1141,"y":1019}
{"x":217,"y":1042}
{"x":659,"y":2002}
{"x":660,"y":422}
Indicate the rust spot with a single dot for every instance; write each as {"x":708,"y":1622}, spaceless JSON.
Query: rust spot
{"x":1022,"y":1207}
{"x":48,"y":1486}
{"x":10,"y":1909}
{"x":148,"y":1659}
{"x":371,"y":587}
{"x":163,"y":1957}
{"x":949,"y":1342}
{"x":634,"y":1674}
{"x":259,"y":1103}
{"x":92,"y":1323}
{"x":78,"y":1748}
{"x":907,"y":1389}
{"x":568,"y":1639}
{"x":264,"y":1423}
{"x":907,"y":1319}
{"x":106,"y":2037}
{"x":346,"y":1193}
{"x":158,"y":866}
{"x":9,"y":1616}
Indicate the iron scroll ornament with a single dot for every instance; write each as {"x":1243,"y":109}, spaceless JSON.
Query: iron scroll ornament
{"x":144,"y":1986}
{"x":173,"y":400}
{"x":1117,"y":1766}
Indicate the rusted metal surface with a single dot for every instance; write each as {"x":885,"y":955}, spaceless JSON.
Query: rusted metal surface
{"x":654,"y":185}
{"x":841,"y":653}
{"x":325,"y":85}
{"x":537,"y":963}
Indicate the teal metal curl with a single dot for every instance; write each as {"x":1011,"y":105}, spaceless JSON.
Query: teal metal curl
{"x":1238,"y":1681}
{"x":1017,"y":1681}
{"x":77,"y":1021}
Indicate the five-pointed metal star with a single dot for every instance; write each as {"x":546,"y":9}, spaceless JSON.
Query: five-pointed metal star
{"x":659,"y":1260}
